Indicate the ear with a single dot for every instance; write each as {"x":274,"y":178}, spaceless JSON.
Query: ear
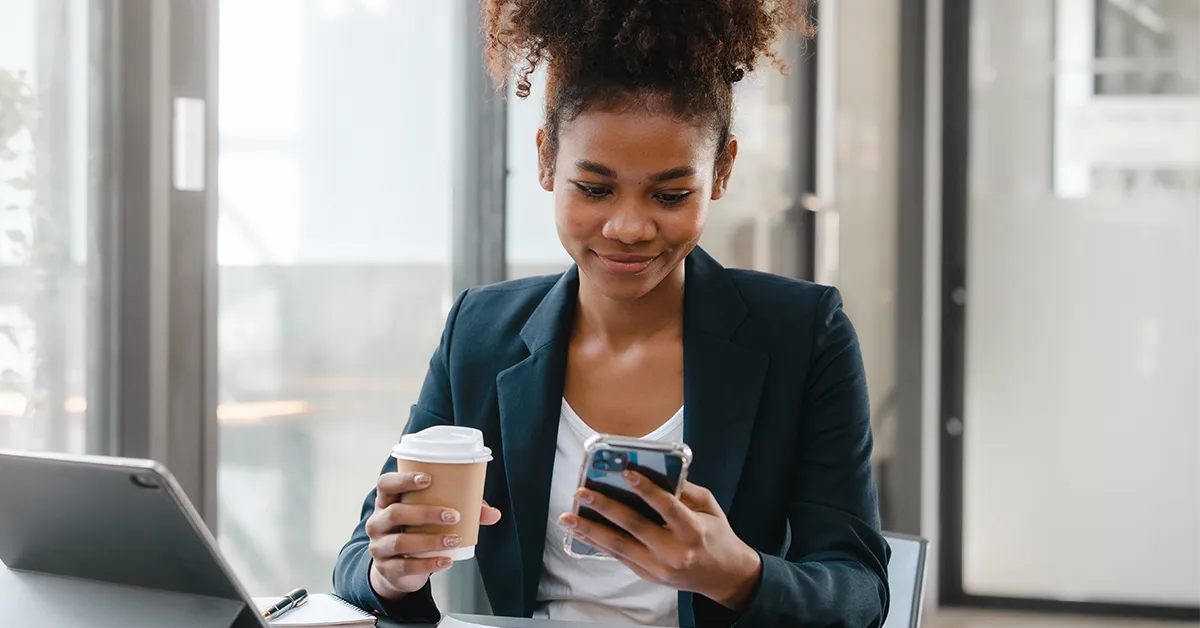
{"x":545,"y":161}
{"x":724,"y":168}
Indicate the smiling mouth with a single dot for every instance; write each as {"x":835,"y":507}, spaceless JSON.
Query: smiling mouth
{"x":624,"y":264}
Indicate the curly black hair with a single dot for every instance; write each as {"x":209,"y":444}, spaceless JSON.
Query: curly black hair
{"x":618,"y":53}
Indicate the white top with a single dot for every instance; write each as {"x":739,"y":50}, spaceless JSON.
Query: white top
{"x":574,"y":589}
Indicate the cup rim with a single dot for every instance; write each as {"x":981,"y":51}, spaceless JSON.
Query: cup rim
{"x":484,"y":455}
{"x":458,"y":444}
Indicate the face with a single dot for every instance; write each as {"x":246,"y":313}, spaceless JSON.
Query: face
{"x":631,"y":193}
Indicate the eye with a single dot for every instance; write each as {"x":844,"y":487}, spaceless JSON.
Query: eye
{"x":674,"y":198}
{"x":592,"y":191}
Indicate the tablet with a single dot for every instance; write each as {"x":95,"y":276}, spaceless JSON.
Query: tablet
{"x":116,"y":520}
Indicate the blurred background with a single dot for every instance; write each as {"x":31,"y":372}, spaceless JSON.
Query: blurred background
{"x":230,"y":231}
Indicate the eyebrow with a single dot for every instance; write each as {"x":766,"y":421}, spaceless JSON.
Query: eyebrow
{"x":666,"y":175}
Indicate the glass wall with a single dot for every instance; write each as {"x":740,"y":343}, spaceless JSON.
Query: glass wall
{"x":334,"y":248}
{"x":1081,"y":438}
{"x":49,"y":290}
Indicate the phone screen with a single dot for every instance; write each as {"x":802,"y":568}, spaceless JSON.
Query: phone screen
{"x":603,"y":475}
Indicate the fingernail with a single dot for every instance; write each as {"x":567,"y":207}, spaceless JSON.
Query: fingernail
{"x":444,"y":563}
{"x":451,"y":540}
{"x":568,"y":521}
{"x":422,"y":478}
{"x":631,"y":478}
{"x":450,"y":516}
{"x":585,"y":497}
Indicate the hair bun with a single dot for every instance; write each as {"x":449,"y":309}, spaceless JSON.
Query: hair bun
{"x":636,"y":44}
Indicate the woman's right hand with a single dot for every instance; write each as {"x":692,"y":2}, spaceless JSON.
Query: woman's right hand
{"x":393,"y":573}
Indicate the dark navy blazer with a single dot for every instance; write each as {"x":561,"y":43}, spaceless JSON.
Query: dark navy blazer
{"x":775,"y":411}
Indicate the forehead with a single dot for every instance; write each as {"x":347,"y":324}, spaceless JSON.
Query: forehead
{"x":636,"y":141}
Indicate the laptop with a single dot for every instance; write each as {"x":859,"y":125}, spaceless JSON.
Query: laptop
{"x":92,"y":529}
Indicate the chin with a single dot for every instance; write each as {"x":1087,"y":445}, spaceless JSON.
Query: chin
{"x":622,"y":287}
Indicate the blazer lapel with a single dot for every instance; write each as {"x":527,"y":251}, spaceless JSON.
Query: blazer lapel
{"x":722,"y":381}
{"x":529,"y":396}
{"x":722,"y":384}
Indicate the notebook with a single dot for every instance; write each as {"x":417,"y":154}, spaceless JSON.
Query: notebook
{"x":321,"y":609}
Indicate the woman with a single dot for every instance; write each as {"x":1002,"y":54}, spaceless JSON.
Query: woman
{"x":645,"y":336}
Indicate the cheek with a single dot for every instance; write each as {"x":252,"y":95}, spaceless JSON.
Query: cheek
{"x":573,"y":217}
{"x":684,"y":225}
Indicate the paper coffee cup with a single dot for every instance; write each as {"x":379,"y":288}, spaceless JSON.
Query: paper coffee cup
{"x":456,"y":460}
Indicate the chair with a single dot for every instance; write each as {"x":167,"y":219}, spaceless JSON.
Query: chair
{"x":906,"y":577}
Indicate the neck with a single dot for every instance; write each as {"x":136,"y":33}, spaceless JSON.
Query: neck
{"x":622,"y":322}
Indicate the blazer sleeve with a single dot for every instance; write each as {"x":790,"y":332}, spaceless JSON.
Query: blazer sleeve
{"x":351,"y":574}
{"x":835,"y":571}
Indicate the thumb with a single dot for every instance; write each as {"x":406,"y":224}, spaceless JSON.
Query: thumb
{"x":488,"y":515}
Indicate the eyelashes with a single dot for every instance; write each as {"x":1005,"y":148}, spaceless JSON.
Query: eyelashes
{"x":592,"y":191}
{"x":666,"y":199}
{"x":672,"y":198}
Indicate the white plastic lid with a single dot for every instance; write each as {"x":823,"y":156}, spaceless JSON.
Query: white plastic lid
{"x":445,"y":444}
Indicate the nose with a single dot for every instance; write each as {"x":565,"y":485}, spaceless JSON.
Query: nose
{"x":629,"y":224}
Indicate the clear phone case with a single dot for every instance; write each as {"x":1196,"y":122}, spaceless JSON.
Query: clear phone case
{"x":606,"y":457}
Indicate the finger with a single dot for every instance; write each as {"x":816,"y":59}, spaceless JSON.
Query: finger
{"x":623,"y":517}
{"x":395,"y":568}
{"x":407,"y":543}
{"x":391,"y":486}
{"x":700,"y":499}
{"x":488,"y":516}
{"x":398,"y":515}
{"x":607,"y":539}
{"x":677,"y":515}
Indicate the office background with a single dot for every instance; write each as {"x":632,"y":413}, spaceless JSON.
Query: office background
{"x":230,"y":231}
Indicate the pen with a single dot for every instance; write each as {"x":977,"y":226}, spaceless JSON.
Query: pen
{"x":296,"y":598}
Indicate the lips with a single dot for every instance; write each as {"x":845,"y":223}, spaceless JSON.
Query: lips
{"x":625,"y":263}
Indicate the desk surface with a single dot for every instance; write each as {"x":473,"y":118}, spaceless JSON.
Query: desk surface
{"x":509,"y":622}
{"x":39,"y":600}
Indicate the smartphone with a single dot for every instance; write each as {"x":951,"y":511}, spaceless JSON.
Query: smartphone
{"x":606,"y":457}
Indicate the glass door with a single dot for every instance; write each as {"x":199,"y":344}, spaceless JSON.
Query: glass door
{"x":1073,"y":305}
{"x":51,"y":287}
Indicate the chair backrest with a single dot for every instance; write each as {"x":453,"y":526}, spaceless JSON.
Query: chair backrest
{"x":906,"y":578}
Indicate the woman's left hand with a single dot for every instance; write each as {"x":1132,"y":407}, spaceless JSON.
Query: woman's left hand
{"x":695,"y":551}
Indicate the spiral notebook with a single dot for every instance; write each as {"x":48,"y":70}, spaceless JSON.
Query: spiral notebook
{"x":321,"y":609}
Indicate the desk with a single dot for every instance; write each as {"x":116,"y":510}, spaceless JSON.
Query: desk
{"x":36,"y":600}
{"x":509,"y":622}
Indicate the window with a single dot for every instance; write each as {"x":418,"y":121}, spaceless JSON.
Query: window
{"x":1082,"y":314}
{"x":49,"y":294}
{"x":334,"y":246}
